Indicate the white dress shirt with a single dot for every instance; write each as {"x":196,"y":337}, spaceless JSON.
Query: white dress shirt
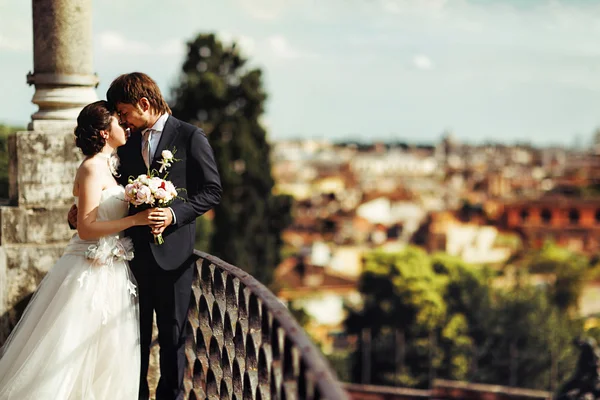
{"x":155,"y":134}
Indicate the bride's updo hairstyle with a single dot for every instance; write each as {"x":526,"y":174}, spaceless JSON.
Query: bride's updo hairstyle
{"x":94,"y":117}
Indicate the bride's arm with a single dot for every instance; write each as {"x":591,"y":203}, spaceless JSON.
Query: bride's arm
{"x":90,"y":192}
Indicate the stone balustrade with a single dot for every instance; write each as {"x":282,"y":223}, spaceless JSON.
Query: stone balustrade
{"x":242,"y":343}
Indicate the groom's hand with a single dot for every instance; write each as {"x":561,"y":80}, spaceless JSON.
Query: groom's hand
{"x":166,"y":217}
{"x":72,"y":217}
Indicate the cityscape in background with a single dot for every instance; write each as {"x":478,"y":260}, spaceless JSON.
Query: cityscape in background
{"x":484,"y":204}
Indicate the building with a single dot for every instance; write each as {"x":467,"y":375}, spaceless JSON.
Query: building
{"x":570,"y":222}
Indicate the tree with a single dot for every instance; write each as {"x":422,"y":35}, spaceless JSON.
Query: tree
{"x":406,"y":313}
{"x":569,"y":272}
{"x":524,"y":341}
{"x":218,"y":93}
{"x":455,"y":324}
{"x":468,"y":297}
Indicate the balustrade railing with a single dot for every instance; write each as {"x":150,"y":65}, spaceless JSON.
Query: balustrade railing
{"x":242,"y":343}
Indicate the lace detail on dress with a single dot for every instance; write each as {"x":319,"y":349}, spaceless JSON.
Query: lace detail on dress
{"x":109,"y":249}
{"x":102,"y":256}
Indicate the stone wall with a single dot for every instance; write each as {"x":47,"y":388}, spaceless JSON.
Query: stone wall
{"x":33,"y":227}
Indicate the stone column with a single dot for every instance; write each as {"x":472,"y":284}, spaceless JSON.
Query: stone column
{"x":43,"y":160}
{"x":62,"y":61}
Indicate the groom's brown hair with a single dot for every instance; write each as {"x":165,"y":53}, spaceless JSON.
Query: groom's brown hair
{"x":130,"y":88}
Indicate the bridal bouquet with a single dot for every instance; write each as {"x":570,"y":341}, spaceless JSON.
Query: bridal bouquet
{"x":150,"y":191}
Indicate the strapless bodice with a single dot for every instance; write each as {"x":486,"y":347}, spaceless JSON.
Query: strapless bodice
{"x":112,"y":206}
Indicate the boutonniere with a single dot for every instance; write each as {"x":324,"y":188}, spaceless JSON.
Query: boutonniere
{"x":168,"y":157}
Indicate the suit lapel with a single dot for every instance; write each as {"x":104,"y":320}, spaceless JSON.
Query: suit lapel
{"x":136,"y":151}
{"x":167,"y":137}
{"x":131,"y":156}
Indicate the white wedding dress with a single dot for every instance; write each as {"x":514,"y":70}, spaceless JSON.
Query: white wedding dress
{"x":78,"y":338}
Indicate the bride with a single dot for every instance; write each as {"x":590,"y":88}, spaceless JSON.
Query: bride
{"x":79,"y":336}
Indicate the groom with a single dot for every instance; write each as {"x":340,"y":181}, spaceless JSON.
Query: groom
{"x":164,"y":272}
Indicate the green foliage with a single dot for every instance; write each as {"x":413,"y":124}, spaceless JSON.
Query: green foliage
{"x":569,"y":272}
{"x":401,"y":288}
{"x":299,"y":314}
{"x":204,"y":230}
{"x":341,"y":363}
{"x":455,"y":324}
{"x":523,"y":336}
{"x":509,"y":240}
{"x":220,"y":94}
{"x":408,"y":292}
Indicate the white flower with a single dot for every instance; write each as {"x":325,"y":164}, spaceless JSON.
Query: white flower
{"x":154,"y":184}
{"x":167,"y":155}
{"x":170,"y":188}
{"x":167,"y":159}
{"x":144,"y":179}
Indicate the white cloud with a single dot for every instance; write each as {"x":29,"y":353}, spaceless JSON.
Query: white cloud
{"x":246,"y":43}
{"x":413,"y":6}
{"x":266,"y":10}
{"x":16,"y":30}
{"x":114,"y":42}
{"x":173,"y":47}
{"x":266,"y":51}
{"x":422,"y":62}
{"x":280,"y":47}
{"x":14,"y":44}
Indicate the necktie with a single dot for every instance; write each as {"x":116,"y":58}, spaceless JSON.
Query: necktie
{"x":146,"y":147}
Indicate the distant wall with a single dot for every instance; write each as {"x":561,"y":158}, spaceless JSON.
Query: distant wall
{"x":445,"y":390}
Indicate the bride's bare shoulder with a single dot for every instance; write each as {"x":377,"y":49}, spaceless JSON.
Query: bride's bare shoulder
{"x":91,"y":165}
{"x":88,"y":169}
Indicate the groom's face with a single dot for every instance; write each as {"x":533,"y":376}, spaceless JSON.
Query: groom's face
{"x":133,"y":116}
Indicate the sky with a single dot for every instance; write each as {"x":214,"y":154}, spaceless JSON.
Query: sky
{"x":409,"y":70}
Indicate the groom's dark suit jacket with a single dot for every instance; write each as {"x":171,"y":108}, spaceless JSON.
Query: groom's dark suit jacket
{"x":196,"y":171}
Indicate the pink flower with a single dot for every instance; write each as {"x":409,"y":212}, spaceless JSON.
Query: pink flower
{"x":130,"y":190}
{"x":151,"y":190}
{"x":161,"y":194}
{"x":143,"y":195}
